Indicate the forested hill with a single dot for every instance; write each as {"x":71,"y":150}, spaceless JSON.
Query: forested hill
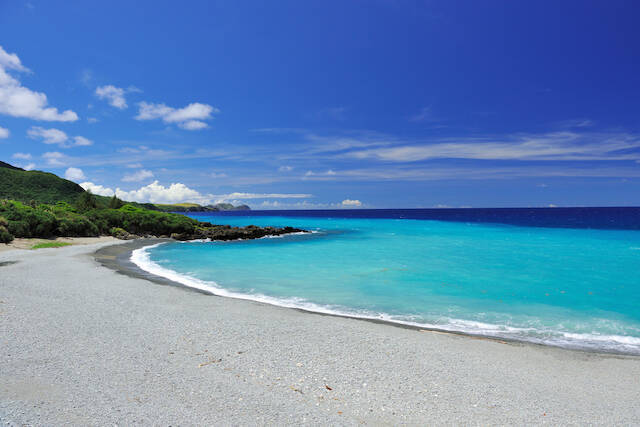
{"x":41,"y":187}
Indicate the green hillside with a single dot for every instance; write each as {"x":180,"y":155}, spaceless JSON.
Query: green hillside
{"x":42,"y":187}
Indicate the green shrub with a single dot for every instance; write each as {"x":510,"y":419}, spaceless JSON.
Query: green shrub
{"x":26,"y":221}
{"x":5,"y":236}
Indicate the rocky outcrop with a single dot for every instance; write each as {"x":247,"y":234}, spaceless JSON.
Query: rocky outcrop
{"x":226,"y":232}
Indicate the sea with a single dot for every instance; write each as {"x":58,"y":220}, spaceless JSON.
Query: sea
{"x":567,"y":277}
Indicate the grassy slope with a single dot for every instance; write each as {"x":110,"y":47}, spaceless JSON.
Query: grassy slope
{"x":43,"y":187}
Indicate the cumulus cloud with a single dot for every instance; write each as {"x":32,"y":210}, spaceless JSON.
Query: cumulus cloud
{"x":22,"y":156}
{"x":97,"y":189}
{"x":19,"y":101}
{"x":4,"y":133}
{"x":54,"y":158}
{"x":190,"y":117}
{"x":56,"y":136}
{"x":113,"y":95}
{"x":74,"y":174}
{"x":157,"y":193}
{"x":180,"y":193}
{"x":351,"y":203}
{"x":10,"y":61}
{"x":138,"y":176}
{"x":29,"y":166}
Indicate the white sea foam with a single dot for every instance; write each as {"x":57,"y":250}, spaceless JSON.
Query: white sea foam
{"x":592,"y":341}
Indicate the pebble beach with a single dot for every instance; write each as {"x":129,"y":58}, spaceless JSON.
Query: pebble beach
{"x":83,"y":343}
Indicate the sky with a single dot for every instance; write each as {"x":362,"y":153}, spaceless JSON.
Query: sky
{"x":327,"y":104}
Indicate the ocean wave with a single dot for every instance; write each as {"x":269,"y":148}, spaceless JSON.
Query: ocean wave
{"x":558,"y":338}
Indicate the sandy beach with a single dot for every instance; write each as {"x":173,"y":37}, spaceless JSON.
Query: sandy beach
{"x":83,"y":344}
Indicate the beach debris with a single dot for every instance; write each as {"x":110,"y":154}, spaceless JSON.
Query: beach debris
{"x":327,"y":387}
{"x":209,"y":362}
{"x":296,"y":389}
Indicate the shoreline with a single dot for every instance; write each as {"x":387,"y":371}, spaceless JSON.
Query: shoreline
{"x":118,"y":259}
{"x":85,"y":345}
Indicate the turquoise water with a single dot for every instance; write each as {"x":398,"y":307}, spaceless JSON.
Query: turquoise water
{"x":576,"y":288}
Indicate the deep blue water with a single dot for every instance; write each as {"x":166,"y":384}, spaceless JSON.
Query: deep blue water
{"x":622,"y":218}
{"x":567,"y":277}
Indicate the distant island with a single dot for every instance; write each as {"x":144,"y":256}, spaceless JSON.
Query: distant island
{"x":41,"y":204}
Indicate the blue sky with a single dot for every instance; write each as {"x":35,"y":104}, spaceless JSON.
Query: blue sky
{"x":325,"y":104}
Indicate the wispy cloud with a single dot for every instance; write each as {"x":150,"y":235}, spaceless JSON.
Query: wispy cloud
{"x":56,"y":136}
{"x":424,"y":115}
{"x":550,"y":146}
{"x":138,"y":176}
{"x":54,"y":158}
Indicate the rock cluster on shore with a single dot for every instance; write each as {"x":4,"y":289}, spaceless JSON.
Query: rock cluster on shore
{"x":226,"y":232}
{"x":218,"y":232}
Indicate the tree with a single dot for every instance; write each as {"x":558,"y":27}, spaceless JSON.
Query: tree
{"x":86,"y":202}
{"x":115,"y":203}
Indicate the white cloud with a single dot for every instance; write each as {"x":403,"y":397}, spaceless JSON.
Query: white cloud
{"x":97,"y":189}
{"x":92,"y":120}
{"x":305,"y":204}
{"x":156,"y":193}
{"x":193,"y":125}
{"x":138,"y":176}
{"x":425,"y":115}
{"x":350,"y":203}
{"x":74,"y":174}
{"x":285,"y":169}
{"x":81,"y":141}
{"x":248,"y":196}
{"x":134,"y":165}
{"x":19,"y":101}
{"x":23,"y":156}
{"x":49,"y":136}
{"x":330,"y":172}
{"x":4,"y":133}
{"x":190,"y":117}
{"x":29,"y":166}
{"x":10,"y":61}
{"x":180,"y":193}
{"x":54,"y":158}
{"x":113,"y":95}
{"x":550,"y":146}
{"x":56,"y":136}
